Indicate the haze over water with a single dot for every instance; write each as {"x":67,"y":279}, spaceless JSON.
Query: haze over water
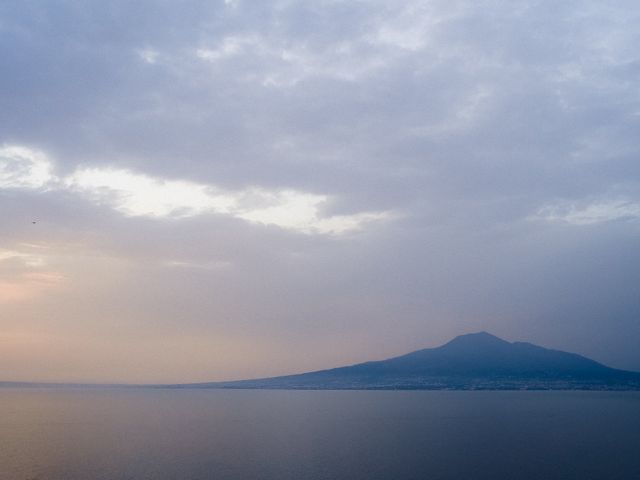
{"x":113,"y":434}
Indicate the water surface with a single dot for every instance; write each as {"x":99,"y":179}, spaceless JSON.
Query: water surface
{"x":72,"y":434}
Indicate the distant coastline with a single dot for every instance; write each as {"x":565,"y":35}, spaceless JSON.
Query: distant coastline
{"x":477,"y":361}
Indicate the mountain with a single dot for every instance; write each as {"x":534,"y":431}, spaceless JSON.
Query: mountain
{"x":477,"y":361}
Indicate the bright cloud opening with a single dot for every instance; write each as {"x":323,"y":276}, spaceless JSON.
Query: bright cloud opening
{"x":22,"y":167}
{"x":136,"y":194}
{"x":141,"y":195}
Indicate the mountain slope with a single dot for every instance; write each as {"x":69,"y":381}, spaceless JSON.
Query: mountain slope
{"x":473,"y":361}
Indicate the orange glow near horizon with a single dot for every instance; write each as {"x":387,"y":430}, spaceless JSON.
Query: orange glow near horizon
{"x":29,"y":285}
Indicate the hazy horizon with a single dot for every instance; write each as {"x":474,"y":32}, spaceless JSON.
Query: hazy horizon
{"x":226,"y":190}
{"x":291,"y":372}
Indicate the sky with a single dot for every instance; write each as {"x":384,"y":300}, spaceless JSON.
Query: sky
{"x":201,"y":190}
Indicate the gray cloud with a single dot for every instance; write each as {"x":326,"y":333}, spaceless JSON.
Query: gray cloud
{"x":500,"y":139}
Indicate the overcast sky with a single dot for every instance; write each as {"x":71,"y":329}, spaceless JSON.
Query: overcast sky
{"x":204,"y":190}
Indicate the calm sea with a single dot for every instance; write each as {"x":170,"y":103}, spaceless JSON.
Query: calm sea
{"x":242,"y":435}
